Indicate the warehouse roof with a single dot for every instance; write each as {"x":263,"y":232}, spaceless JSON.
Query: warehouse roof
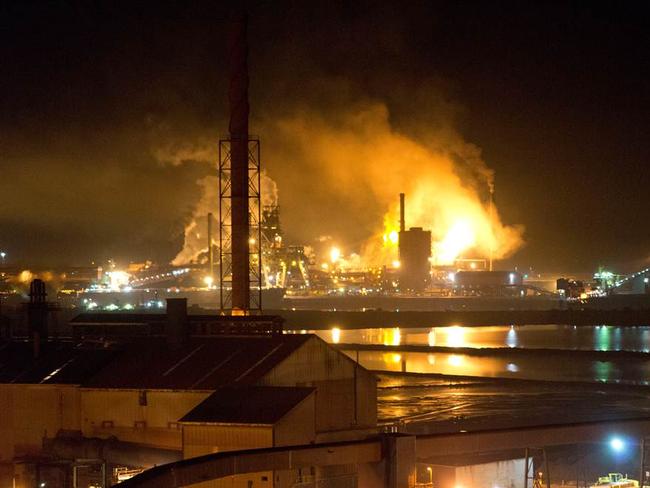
{"x":201,"y":363}
{"x":251,"y":405}
{"x":145,"y":318}
{"x":57,"y":362}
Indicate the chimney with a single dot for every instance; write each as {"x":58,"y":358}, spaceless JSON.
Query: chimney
{"x":239,"y":191}
{"x":37,"y":310}
{"x":402,"y":223}
{"x":176,"y":324}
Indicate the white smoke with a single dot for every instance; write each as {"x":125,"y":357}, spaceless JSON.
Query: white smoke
{"x":195,"y":243}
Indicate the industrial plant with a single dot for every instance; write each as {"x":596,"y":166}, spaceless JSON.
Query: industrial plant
{"x":415,"y":357}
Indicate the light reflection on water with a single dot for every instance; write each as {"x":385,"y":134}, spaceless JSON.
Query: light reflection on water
{"x":530,"y":367}
{"x":539,"y":366}
{"x":596,"y":338}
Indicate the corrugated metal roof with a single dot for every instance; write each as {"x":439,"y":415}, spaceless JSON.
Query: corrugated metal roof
{"x":58,"y":362}
{"x":118,"y":318}
{"x":148,"y":318}
{"x":201,"y":363}
{"x":251,"y":405}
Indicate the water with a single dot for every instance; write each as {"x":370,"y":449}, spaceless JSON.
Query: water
{"x":535,"y":367}
{"x":556,"y":363}
{"x":585,"y":338}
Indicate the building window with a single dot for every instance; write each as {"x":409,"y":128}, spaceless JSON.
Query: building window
{"x":142,"y":398}
{"x":140,"y":424}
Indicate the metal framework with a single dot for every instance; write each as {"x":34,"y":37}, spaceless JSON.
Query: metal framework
{"x":254,"y":227}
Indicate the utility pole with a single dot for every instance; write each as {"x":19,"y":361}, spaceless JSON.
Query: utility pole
{"x":491,"y":217}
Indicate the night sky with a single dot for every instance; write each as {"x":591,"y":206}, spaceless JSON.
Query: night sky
{"x":100,"y":102}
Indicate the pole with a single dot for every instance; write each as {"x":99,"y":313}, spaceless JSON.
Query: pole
{"x":642,"y":477}
{"x":210,"y":246}
{"x":491,"y":217}
{"x":548,"y":475}
{"x":526,"y":469}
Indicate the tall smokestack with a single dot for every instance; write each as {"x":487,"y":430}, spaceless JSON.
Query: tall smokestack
{"x":239,"y":109}
{"x":402,"y":223}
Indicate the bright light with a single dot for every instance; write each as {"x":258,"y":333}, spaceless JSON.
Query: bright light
{"x":396,"y":358}
{"x":396,"y":264}
{"x":459,"y":238}
{"x":617,"y":444}
{"x":208,"y":280}
{"x":432,"y":337}
{"x":393,"y":237}
{"x":455,"y":336}
{"x":117,"y":279}
{"x":336,"y":335}
{"x":252,"y":241}
{"x":335,"y":254}
{"x":455,"y":360}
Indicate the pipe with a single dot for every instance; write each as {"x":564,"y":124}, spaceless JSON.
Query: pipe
{"x":111,"y":451}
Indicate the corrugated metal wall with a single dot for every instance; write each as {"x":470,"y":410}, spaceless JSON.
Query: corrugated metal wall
{"x":30,"y":411}
{"x":200,"y":439}
{"x":144,"y":416}
{"x":319,"y":365}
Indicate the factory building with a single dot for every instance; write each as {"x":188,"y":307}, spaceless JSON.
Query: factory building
{"x":414,"y":254}
{"x":487,"y":283}
{"x":109,"y":406}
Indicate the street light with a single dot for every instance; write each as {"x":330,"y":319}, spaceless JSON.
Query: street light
{"x":617,"y":444}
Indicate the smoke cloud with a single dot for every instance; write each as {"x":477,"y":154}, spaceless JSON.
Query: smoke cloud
{"x":348,"y":168}
{"x":195,"y":242}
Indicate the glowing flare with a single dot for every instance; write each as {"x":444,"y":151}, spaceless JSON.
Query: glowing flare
{"x":335,"y":254}
{"x":455,"y":336}
{"x":336,"y":335}
{"x":459,"y":238}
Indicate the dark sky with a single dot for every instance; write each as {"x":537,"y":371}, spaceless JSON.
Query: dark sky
{"x":555,"y":93}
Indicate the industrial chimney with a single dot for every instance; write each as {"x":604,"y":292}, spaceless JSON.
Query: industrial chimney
{"x":176,"y":324}
{"x":239,"y":109}
{"x":402,"y":223}
{"x":37,"y":311}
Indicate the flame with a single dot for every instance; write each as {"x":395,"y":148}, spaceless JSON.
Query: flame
{"x":460,"y":237}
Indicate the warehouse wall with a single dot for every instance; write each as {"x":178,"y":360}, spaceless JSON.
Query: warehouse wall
{"x":27,"y":413}
{"x":338,"y":405}
{"x":200,"y":439}
{"x":506,"y":473}
{"x":298,"y":426}
{"x":144,"y":416}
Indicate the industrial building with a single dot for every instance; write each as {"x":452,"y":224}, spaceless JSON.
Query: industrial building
{"x":89,"y":412}
{"x":414,"y":254}
{"x":490,"y":283}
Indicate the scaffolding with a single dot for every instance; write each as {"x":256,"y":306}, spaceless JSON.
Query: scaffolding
{"x":254,"y":227}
